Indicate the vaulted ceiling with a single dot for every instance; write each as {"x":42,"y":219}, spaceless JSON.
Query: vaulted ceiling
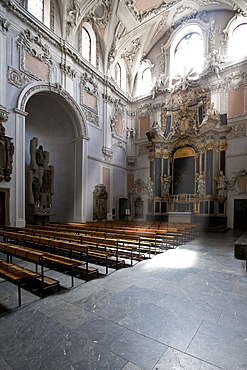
{"x":126,"y":25}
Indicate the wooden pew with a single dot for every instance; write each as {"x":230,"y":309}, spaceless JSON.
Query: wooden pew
{"x":17,"y":275}
{"x":30,"y":255}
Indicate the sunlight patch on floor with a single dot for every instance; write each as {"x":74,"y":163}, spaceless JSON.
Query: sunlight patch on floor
{"x":176,"y":258}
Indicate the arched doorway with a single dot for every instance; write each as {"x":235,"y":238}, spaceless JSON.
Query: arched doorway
{"x":51,"y":125}
{"x":48,"y":112}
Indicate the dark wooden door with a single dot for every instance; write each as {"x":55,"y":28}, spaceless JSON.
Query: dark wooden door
{"x":240,"y":214}
{"x":123,"y":205}
{"x":2,"y":208}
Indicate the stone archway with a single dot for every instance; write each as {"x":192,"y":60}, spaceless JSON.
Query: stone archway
{"x":64,"y":106}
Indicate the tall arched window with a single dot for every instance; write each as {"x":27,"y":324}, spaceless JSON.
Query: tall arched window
{"x":86,"y":45}
{"x":237,"y":42}
{"x":40,"y":9}
{"x":36,"y":8}
{"x":188,"y":54}
{"x":118,"y":75}
{"x":144,"y":84}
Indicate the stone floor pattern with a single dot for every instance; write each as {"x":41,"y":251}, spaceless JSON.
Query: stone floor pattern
{"x":185,"y":309}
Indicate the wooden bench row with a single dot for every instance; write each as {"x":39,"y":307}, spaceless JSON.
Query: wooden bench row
{"x":86,"y":252}
{"x":172,"y":236}
{"x":128,"y":247}
{"x":17,"y":275}
{"x":153,"y":240}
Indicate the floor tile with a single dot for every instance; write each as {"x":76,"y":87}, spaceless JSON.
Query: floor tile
{"x":221,"y":346}
{"x":176,"y":360}
{"x":170,"y":328}
{"x":138,"y":349}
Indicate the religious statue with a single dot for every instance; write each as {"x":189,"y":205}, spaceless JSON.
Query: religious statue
{"x":221,"y":184}
{"x":150,"y":187}
{"x":212,"y":115}
{"x":201,"y":186}
{"x":166,"y":183}
{"x":155,"y":131}
{"x":100,"y":196}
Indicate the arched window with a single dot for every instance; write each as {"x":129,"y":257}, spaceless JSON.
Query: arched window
{"x":86,"y":45}
{"x":144,"y":84}
{"x":147,"y":79}
{"x":40,"y":9}
{"x":118,"y":75}
{"x":188,"y":54}
{"x":36,"y":8}
{"x":237,"y":42}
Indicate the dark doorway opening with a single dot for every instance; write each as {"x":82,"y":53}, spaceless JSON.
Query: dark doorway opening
{"x":2,"y":208}
{"x":240,"y":214}
{"x":123,"y":205}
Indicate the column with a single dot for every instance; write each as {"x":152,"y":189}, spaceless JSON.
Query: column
{"x":20,"y":119}
{"x":80,"y":176}
{"x":157,"y":190}
{"x":223,"y":158}
{"x":209,"y":172}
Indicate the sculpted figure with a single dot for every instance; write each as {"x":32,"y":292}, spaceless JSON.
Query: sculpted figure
{"x":212,"y":115}
{"x":150,"y":186}
{"x":201,"y":186}
{"x":166,"y":183}
{"x":221,"y":184}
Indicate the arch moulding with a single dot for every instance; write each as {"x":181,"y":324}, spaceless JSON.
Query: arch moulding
{"x":75,"y":113}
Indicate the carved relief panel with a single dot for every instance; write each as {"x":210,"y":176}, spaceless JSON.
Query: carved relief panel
{"x":6,"y":149}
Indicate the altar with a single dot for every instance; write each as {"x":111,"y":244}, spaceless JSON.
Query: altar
{"x":182,"y":217}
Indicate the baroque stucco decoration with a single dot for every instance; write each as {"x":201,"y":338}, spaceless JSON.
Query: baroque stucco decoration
{"x":4,"y":25}
{"x":34,"y":45}
{"x":101,"y":13}
{"x":238,"y":182}
{"x":90,"y":86}
{"x":17,"y":78}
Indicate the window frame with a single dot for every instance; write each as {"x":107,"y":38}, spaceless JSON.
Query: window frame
{"x":189,"y":29}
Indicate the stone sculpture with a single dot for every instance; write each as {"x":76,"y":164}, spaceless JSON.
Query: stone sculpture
{"x":40,"y":179}
{"x":100,"y":196}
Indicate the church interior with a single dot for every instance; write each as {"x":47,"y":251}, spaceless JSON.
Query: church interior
{"x":123,"y":161}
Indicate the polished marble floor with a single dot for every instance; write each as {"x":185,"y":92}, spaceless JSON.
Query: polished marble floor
{"x":185,"y":309}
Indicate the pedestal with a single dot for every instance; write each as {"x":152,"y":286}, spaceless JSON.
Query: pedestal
{"x":42,"y":218}
{"x":182,"y":217}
